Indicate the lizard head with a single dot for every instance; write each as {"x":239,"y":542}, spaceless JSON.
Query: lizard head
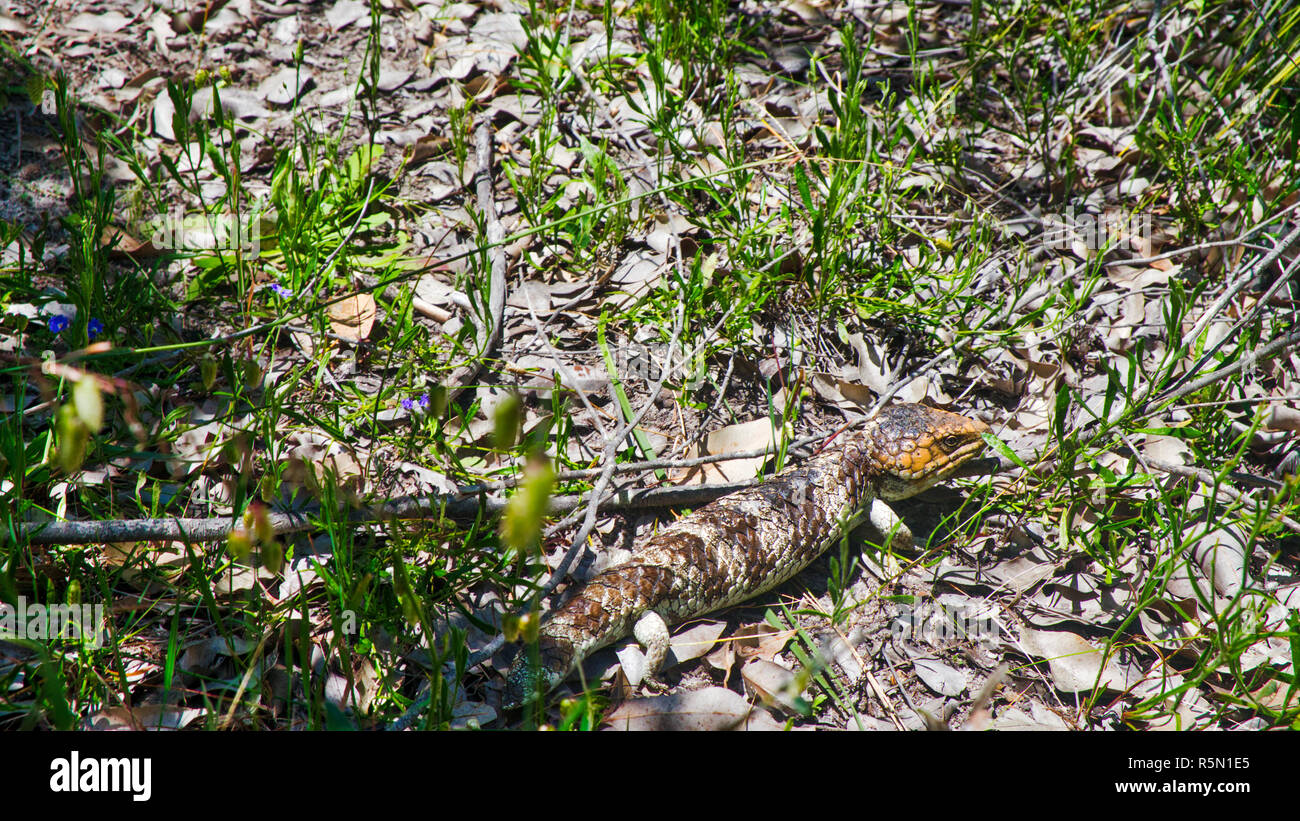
{"x":915,"y":447}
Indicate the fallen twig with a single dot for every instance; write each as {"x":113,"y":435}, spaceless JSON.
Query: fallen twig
{"x":408,"y":507}
{"x":1268,"y":351}
{"x":1209,"y":478}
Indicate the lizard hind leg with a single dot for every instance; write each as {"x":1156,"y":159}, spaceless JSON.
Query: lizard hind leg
{"x":652,"y":633}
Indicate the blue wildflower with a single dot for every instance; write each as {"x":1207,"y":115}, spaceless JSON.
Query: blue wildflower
{"x":58,"y":323}
{"x":280,"y":290}
{"x":411,"y":404}
{"x":94,"y":328}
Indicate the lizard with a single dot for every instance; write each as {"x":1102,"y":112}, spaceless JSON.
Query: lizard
{"x":749,"y":542}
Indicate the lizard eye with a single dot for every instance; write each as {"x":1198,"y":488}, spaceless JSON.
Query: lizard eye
{"x":952,"y":441}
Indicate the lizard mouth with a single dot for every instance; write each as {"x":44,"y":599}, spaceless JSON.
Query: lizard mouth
{"x":977,"y":467}
{"x":927,"y":472}
{"x":961,"y":458}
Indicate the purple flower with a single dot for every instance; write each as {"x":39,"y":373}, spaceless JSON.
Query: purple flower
{"x":94,"y":328}
{"x":411,"y":404}
{"x":58,"y":323}
{"x":280,"y":290}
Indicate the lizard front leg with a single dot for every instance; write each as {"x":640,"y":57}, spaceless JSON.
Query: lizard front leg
{"x":884,"y":519}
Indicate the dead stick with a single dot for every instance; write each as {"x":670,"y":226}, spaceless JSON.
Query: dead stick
{"x":409,"y":507}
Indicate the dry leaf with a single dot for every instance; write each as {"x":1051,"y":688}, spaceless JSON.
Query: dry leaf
{"x":106,"y":23}
{"x":125,"y":244}
{"x":760,"y":640}
{"x":939,"y":677}
{"x":1040,"y":718}
{"x":1075,"y":665}
{"x":772,"y":683}
{"x":12,"y":24}
{"x":353,"y":317}
{"x":713,"y":708}
{"x":1221,"y":555}
{"x":695,"y":642}
{"x":142,"y":717}
{"x":741,"y":438}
